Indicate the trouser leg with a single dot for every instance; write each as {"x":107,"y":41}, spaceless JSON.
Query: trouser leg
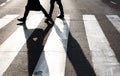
{"x":51,"y":7}
{"x":26,"y":13}
{"x":44,"y":11}
{"x":60,"y":7}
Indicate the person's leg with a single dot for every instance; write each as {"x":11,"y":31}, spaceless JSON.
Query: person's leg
{"x":25,"y":15}
{"x":46,"y":15}
{"x":52,"y":2}
{"x":61,"y":9}
{"x":44,"y":12}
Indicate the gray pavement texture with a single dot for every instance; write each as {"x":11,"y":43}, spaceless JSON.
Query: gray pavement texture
{"x":79,"y":61}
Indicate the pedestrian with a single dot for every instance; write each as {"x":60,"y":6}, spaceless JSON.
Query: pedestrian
{"x":33,"y":5}
{"x":52,"y":2}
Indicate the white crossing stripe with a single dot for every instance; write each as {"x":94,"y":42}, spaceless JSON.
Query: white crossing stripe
{"x":3,"y":4}
{"x":103,"y":57}
{"x":6,"y":19}
{"x":10,"y":48}
{"x":7,"y":0}
{"x":53,"y":58}
{"x":115,"y":20}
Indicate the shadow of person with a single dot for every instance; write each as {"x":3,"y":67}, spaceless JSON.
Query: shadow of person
{"x":74,"y":53}
{"x":34,"y":5}
{"x":52,"y":2}
{"x":76,"y":56}
{"x":34,"y":45}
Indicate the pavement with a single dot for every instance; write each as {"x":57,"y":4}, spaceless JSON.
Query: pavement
{"x":85,"y":43}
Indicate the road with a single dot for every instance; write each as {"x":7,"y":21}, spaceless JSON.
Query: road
{"x":85,"y":43}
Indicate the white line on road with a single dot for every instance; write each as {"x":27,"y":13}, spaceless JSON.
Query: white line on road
{"x":7,"y":19}
{"x":113,"y":2}
{"x":10,"y":48}
{"x":103,"y":57}
{"x":53,"y":58}
{"x":115,"y":20}
{"x":3,"y":4}
{"x":7,"y":0}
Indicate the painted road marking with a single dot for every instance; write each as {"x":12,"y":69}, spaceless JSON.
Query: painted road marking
{"x":103,"y":57}
{"x":3,"y":4}
{"x":115,"y":20}
{"x":7,"y":0}
{"x":53,"y":58}
{"x":7,"y":19}
{"x":11,"y":47}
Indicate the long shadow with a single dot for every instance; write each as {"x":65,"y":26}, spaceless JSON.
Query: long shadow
{"x":76,"y":56}
{"x":34,"y":45}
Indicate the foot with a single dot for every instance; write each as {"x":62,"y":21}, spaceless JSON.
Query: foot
{"x":22,"y":20}
{"x":60,"y":16}
{"x":49,"y":20}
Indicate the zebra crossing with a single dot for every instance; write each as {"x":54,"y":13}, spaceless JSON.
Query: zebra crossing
{"x":55,"y":53}
{"x":103,"y":56}
{"x":115,"y":20}
{"x":6,"y":19}
{"x":19,"y":37}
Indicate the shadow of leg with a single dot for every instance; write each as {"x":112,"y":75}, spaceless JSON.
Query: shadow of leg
{"x":78,"y":60}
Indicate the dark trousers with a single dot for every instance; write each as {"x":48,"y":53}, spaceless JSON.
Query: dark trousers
{"x":27,"y":10}
{"x":52,"y":2}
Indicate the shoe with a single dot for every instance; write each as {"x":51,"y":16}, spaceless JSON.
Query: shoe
{"x":60,"y":16}
{"x":49,"y":20}
{"x":22,"y":20}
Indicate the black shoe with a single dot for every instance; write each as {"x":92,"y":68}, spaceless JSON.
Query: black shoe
{"x":60,"y":16}
{"x":22,"y":20}
{"x":49,"y":20}
{"x":21,"y":23}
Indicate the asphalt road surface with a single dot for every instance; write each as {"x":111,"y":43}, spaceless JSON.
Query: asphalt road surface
{"x":85,"y":43}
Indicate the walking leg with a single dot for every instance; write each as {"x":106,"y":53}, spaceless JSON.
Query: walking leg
{"x":61,"y":9}
{"x":25,"y":15}
{"x":51,"y":7}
